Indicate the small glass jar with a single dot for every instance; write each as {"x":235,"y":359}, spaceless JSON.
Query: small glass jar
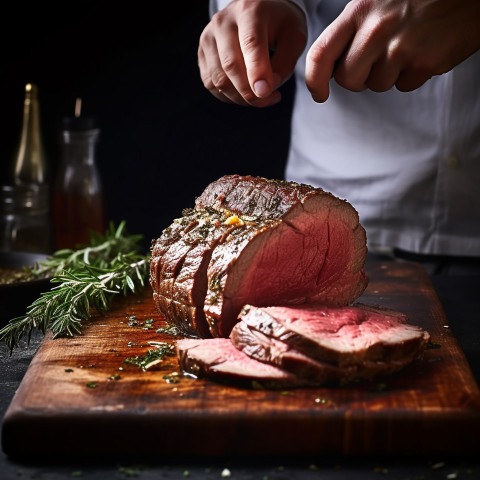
{"x":25,"y":221}
{"x":79,"y":203}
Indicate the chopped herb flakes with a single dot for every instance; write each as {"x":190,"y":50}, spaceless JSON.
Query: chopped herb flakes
{"x":92,"y":385}
{"x":173,"y":377}
{"x":169,"y":329}
{"x":134,"y":322}
{"x":152,"y":357}
{"x":133,"y":471}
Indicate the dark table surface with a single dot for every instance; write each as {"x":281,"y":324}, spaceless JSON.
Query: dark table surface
{"x":460,"y":296}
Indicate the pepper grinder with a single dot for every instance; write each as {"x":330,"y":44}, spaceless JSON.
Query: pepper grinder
{"x":79,"y":204}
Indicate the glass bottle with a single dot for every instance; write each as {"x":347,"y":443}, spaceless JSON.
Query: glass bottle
{"x":25,"y":202}
{"x":79,"y":204}
{"x":30,"y":165}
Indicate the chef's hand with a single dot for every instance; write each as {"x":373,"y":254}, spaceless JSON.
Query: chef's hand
{"x":377,"y":44}
{"x":234,"y":57}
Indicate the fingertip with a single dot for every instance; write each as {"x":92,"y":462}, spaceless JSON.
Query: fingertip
{"x":319,"y":98}
{"x":262,"y":89}
{"x":319,"y":94}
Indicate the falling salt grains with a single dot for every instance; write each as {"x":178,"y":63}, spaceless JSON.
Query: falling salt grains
{"x":226,"y":473}
{"x":452,"y":476}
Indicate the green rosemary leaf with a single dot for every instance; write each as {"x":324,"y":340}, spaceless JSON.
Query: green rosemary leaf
{"x":130,"y":283}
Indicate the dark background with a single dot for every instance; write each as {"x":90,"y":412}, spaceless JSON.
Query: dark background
{"x":163,"y":136}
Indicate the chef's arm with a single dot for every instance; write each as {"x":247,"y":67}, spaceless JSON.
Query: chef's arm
{"x":250,"y":48}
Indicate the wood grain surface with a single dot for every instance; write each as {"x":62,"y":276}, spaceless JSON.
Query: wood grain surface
{"x":80,"y":397}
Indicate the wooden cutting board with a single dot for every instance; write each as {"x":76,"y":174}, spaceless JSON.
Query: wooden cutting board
{"x":79,"y":396}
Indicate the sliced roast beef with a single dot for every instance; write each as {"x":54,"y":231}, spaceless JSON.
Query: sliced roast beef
{"x":286,"y":243}
{"x":366,"y":341}
{"x":269,"y":350}
{"x":178,"y":268}
{"x":263,"y":349}
{"x":218,"y":359}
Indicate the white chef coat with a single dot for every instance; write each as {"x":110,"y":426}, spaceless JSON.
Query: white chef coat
{"x":408,"y":162}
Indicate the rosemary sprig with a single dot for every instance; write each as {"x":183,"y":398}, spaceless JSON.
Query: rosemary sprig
{"x":100,"y":252}
{"x":86,"y":279}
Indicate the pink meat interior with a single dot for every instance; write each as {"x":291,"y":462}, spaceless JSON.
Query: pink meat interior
{"x":299,"y":260}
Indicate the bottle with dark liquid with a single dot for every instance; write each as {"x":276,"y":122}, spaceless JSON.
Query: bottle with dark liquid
{"x":79,"y":204}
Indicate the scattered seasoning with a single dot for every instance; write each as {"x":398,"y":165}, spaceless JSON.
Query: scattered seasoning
{"x":169,"y":329}
{"x":186,"y":473}
{"x":432,"y":345}
{"x":286,"y":392}
{"x":115,"y":376}
{"x":128,"y":472}
{"x":148,"y":324}
{"x":321,"y":401}
{"x":132,"y":471}
{"x":152,"y":357}
{"x":173,"y":377}
{"x":215,"y":284}
{"x":133,"y":322}
{"x":452,"y":476}
{"x":68,"y":370}
{"x":133,"y":344}
{"x":226,"y":473}
{"x":438,"y":465}
{"x":91,"y":384}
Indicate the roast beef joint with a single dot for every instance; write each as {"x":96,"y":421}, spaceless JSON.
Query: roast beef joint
{"x":261,"y":276}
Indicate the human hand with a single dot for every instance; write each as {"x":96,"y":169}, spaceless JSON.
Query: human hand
{"x":233,"y":53}
{"x":377,"y":44}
